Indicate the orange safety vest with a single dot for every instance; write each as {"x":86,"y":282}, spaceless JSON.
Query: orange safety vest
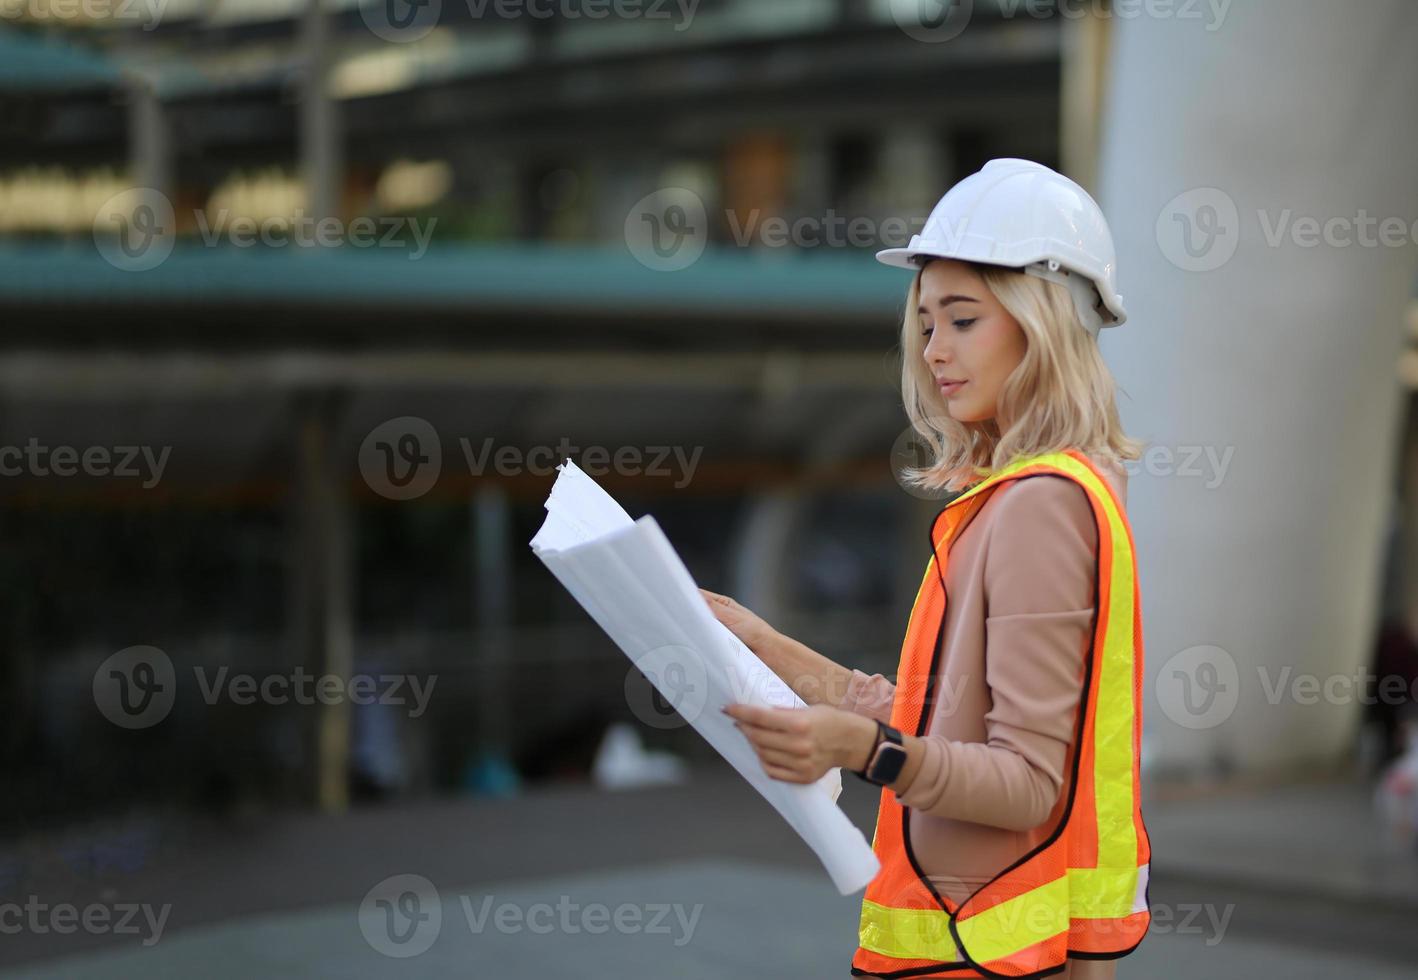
{"x":1083,"y":891}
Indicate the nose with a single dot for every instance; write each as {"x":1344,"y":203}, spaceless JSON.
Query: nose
{"x":937,"y":349}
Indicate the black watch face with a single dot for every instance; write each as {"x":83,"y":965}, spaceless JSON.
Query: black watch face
{"x":889,"y":761}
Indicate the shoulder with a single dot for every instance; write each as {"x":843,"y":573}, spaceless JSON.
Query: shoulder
{"x":1041,"y":520}
{"x":1043,"y":501}
{"x":1042,"y":549}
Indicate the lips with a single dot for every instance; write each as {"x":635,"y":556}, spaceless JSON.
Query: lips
{"x":948,"y":387}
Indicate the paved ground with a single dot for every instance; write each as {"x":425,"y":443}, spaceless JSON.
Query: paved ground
{"x":714,"y":884}
{"x":1319,"y":839}
{"x":722,"y":919}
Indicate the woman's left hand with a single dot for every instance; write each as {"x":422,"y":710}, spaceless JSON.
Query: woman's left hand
{"x":799,"y":745}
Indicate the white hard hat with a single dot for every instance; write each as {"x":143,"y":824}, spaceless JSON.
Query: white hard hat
{"x":1021,"y":214}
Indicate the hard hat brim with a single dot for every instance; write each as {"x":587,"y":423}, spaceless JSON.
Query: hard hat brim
{"x":902,"y":258}
{"x":908,"y":258}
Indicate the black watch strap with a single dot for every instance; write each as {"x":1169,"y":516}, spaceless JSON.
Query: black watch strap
{"x":886,"y":758}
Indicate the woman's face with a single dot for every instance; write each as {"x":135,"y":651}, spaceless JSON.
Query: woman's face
{"x":971,"y":340}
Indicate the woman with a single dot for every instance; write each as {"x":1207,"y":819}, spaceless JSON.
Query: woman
{"x":1009,"y":830}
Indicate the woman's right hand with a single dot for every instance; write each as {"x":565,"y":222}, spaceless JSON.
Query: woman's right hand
{"x":747,"y":625}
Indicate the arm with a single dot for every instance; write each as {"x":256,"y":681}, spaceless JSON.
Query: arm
{"x":1039,"y":581}
{"x":869,"y":695}
{"x":813,"y":677}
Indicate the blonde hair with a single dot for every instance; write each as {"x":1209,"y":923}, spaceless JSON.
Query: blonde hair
{"x":1060,"y":396}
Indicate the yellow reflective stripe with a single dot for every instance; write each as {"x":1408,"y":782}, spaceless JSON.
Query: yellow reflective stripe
{"x":907,"y":934}
{"x":1004,"y":929}
{"x":1102,"y":893}
{"x":1114,"y":715}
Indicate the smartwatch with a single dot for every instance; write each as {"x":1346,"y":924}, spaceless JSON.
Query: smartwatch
{"x":887,"y":757}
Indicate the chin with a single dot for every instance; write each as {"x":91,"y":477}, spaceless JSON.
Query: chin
{"x":963,"y":413}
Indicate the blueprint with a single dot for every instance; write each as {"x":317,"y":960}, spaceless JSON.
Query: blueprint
{"x":630,"y":580}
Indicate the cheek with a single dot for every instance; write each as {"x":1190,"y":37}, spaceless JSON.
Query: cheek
{"x":999,"y":350}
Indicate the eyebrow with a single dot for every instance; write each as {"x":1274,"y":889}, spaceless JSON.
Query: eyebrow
{"x":947,"y":300}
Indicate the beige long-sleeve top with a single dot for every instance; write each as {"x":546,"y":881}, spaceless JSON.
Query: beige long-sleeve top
{"x":998,"y":747}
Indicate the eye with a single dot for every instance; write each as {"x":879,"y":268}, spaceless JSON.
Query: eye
{"x":926,"y":330}
{"x":963,"y":324}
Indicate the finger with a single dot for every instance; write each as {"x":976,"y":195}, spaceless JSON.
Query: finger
{"x":785,"y":774}
{"x":779,"y":719}
{"x":777,"y":741}
{"x":777,"y":757}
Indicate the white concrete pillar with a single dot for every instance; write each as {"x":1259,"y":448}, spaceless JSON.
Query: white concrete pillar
{"x":1251,"y":156}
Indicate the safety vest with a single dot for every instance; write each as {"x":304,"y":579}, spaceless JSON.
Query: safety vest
{"x":1083,"y":891}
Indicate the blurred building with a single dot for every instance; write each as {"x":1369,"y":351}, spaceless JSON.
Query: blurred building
{"x":649,"y":233}
{"x":534,"y":314}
